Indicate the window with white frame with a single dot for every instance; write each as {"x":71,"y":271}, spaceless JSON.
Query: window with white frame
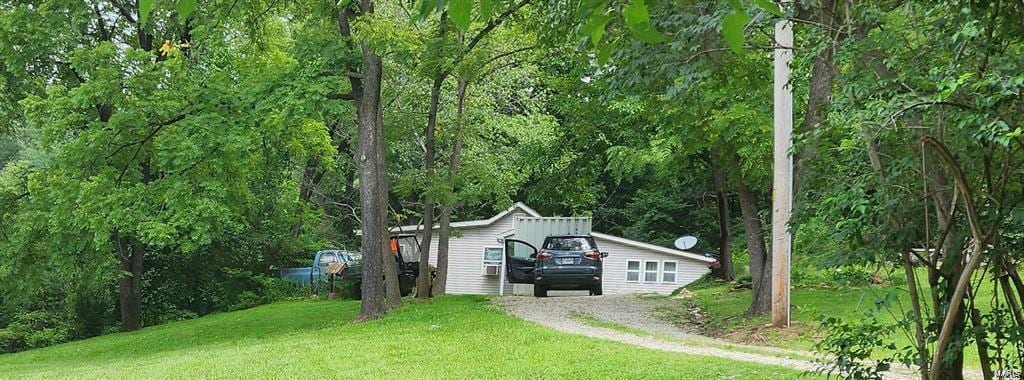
{"x":650,"y":271}
{"x":633,"y":271}
{"x":668,"y":271}
{"x":492,"y":261}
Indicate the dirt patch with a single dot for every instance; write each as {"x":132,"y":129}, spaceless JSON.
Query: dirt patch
{"x":765,"y":335}
{"x":688,"y":313}
{"x":684,"y":314}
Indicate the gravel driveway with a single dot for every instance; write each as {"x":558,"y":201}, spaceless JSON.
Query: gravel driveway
{"x":567,"y":313}
{"x":629,"y":310}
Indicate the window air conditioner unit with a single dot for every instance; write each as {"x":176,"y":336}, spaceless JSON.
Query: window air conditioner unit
{"x":491,"y":270}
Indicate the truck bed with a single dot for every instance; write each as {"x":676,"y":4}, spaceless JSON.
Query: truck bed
{"x":301,"y":276}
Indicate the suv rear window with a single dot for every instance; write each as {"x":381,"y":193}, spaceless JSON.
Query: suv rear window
{"x":568,"y":244}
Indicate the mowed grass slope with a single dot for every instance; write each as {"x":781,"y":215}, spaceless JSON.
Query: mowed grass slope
{"x":725,"y":308}
{"x":449,"y":337}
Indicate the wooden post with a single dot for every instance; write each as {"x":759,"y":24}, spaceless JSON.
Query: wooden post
{"x":782,"y":187}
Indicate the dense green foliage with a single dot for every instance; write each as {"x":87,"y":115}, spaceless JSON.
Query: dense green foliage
{"x":451,"y":337}
{"x":159,"y":160}
{"x":909,"y":148}
{"x":176,"y":150}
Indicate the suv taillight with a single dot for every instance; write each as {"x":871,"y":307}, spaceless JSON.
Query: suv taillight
{"x":543,"y":255}
{"x":593,"y":255}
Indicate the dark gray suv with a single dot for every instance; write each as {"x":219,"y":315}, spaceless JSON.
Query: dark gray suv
{"x":564,"y":262}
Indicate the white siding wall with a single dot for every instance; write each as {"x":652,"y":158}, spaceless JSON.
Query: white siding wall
{"x":465,"y":257}
{"x":465,"y":263}
{"x":614,"y":281}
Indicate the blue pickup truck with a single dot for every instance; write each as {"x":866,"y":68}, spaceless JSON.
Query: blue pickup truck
{"x":315,"y":275}
{"x":404,"y":250}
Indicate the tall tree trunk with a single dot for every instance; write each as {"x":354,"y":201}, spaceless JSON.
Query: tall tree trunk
{"x":370,"y":159}
{"x":915,"y":306}
{"x":372,"y":192}
{"x":423,"y":281}
{"x":1018,"y":284}
{"x":131,"y":286}
{"x":981,"y":338}
{"x":819,"y":96}
{"x":311,"y":177}
{"x":130,"y":254}
{"x":724,"y":220}
{"x":444,"y":230}
{"x":952,"y":367}
{"x":423,"y":286}
{"x":1011,"y":299}
{"x":392,"y":287}
{"x":444,"y":233}
{"x":760,"y":262}
{"x":953,"y":321}
{"x":313,"y":174}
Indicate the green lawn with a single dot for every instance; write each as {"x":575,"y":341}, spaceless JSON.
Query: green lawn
{"x":725,"y":308}
{"x":449,"y":337}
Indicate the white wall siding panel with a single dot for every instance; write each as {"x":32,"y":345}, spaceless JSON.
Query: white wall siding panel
{"x":614,"y":281}
{"x":465,"y":258}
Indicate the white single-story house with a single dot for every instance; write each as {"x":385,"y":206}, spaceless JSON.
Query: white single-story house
{"x":475,"y":255}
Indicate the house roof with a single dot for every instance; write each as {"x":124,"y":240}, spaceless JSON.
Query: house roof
{"x":522,"y":206}
{"x":469,"y":223}
{"x":658,"y":248}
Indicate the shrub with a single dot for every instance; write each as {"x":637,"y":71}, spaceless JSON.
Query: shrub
{"x":744,"y":281}
{"x":264,"y":289}
{"x":850,"y":276}
{"x":34,"y":329}
{"x":849,"y":346}
{"x":347,"y":287}
{"x":840,"y":276}
{"x":807,"y":278}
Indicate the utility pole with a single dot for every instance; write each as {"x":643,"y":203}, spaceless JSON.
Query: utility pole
{"x":782,"y":184}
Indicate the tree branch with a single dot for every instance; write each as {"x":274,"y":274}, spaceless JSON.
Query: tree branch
{"x":494,"y":23}
{"x":20,"y":196}
{"x":508,"y":53}
{"x":151,"y":133}
{"x":346,"y":96}
{"x":124,"y":11}
{"x":892,"y":118}
{"x":979,"y":238}
{"x":142,"y":143}
{"x":345,"y":29}
{"x":491,"y":25}
{"x":712,"y":50}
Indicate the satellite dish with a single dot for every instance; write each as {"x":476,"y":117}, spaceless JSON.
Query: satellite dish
{"x":685,"y":242}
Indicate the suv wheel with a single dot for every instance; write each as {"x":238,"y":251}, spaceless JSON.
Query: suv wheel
{"x":540,"y":291}
{"x":596,"y":290}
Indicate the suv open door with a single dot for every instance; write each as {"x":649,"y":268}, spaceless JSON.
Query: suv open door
{"x":404,"y":250}
{"x":520,"y":258}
